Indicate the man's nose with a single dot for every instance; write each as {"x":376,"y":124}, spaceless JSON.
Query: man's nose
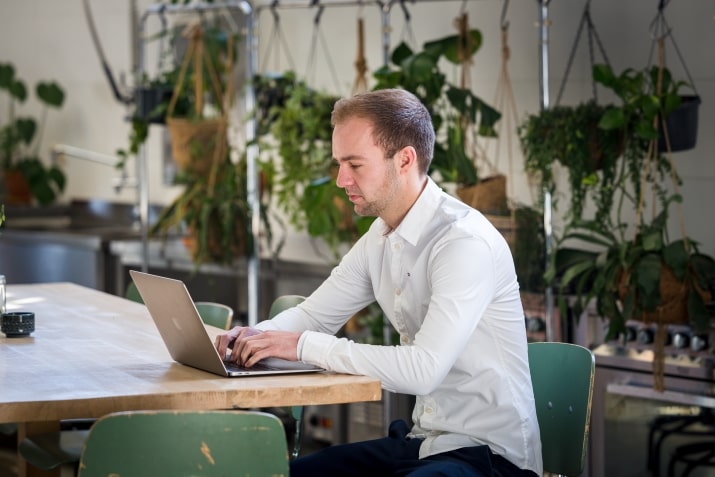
{"x":343,"y":178}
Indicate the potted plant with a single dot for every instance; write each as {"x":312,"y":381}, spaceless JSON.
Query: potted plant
{"x":26,"y":176}
{"x":213,"y":214}
{"x":570,"y":136}
{"x":197,"y":91}
{"x":636,"y":272}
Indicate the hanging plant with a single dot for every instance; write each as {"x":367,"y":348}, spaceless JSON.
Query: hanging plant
{"x":571,"y":136}
{"x":453,"y":109}
{"x":303,"y":182}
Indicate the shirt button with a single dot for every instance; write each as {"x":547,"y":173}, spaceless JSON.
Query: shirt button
{"x":404,"y":339}
{"x":429,"y":410}
{"x":398,"y":292}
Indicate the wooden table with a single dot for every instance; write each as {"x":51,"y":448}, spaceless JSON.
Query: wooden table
{"x":93,"y":353}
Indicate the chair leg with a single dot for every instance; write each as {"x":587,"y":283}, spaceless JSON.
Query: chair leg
{"x":297,"y":412}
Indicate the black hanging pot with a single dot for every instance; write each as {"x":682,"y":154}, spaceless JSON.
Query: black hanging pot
{"x":681,"y":125}
{"x":149,"y":100}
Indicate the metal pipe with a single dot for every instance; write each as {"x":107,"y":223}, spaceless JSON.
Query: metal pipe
{"x":85,"y":154}
{"x":252,"y":193}
{"x":548,"y":219}
{"x":142,"y":167}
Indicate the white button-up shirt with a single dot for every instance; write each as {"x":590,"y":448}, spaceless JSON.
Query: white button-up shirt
{"x":445,"y":279}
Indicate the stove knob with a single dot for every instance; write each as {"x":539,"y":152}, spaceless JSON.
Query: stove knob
{"x":699,"y":342}
{"x":645,"y":336}
{"x":535,"y":324}
{"x":681,"y":340}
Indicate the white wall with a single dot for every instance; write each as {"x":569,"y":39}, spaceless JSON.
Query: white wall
{"x":46,"y":39}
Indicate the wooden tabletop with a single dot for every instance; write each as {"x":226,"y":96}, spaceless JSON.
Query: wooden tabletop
{"x":93,"y":353}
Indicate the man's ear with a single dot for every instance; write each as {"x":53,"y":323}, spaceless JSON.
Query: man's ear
{"x":407,"y":157}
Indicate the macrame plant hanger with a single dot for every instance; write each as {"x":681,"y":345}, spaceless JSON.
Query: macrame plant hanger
{"x":313,"y":53}
{"x":360,"y":83}
{"x":659,"y":31}
{"x":592,"y":38}
{"x":278,"y":38}
{"x":407,"y":36}
{"x":504,"y":100}
{"x":489,"y":193}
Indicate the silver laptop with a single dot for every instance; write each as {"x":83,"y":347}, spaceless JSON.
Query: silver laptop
{"x":185,"y":335}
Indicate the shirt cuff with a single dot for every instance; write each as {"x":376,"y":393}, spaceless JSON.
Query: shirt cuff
{"x":314,"y":348}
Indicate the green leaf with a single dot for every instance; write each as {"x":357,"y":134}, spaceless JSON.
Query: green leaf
{"x":25,"y":128}
{"x":647,"y":271}
{"x":698,"y":314}
{"x":676,"y":257}
{"x":652,"y":241}
{"x":50,"y":93}
{"x":612,"y":118}
{"x":18,"y":90}
{"x":7,"y":75}
{"x":400,"y":53}
{"x":449,"y":46}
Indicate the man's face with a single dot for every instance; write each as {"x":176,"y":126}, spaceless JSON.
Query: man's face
{"x":369,"y":179}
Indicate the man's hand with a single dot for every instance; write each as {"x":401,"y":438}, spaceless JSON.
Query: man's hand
{"x":250,"y":345}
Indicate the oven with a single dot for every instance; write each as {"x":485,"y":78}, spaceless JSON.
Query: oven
{"x":636,"y":430}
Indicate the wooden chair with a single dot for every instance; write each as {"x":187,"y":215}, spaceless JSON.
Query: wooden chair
{"x":562,"y":377}
{"x":197,"y":443}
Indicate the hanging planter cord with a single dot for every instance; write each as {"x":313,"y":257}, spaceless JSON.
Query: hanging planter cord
{"x":312,"y":56}
{"x":504,"y":100}
{"x":195,"y":54}
{"x":652,"y":155}
{"x":280,"y":40}
{"x":592,"y":36}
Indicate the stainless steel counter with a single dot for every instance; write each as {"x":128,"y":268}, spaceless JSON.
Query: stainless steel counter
{"x":95,"y":244}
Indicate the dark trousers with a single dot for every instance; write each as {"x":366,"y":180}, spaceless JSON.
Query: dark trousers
{"x":398,"y":456}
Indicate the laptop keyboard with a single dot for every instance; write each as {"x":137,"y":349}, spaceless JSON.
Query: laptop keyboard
{"x":256,"y":367}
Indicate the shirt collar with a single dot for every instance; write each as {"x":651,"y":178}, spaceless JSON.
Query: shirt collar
{"x":420,"y":214}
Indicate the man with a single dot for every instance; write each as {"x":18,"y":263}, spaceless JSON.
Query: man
{"x":444,"y":277}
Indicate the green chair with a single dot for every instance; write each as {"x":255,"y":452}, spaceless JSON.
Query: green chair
{"x":196,"y":443}
{"x":215,"y":314}
{"x":132,"y":293}
{"x":562,"y":377}
{"x":281,"y":303}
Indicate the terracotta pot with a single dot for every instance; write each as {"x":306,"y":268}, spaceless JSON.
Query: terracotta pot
{"x":17,"y":190}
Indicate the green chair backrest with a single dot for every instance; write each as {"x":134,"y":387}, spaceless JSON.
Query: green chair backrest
{"x":195,"y":443}
{"x":562,"y":377}
{"x":281,"y":303}
{"x":284,"y":302}
{"x":215,"y":314}
{"x":132,"y":293}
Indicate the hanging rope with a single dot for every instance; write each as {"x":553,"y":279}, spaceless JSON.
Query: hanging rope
{"x":360,"y":84}
{"x":659,"y":31}
{"x":312,"y":56}
{"x":278,"y":38}
{"x":504,"y":100}
{"x":407,"y":36}
{"x":592,"y":36}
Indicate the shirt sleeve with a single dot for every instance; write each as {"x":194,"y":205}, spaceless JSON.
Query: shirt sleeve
{"x":459,"y":296}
